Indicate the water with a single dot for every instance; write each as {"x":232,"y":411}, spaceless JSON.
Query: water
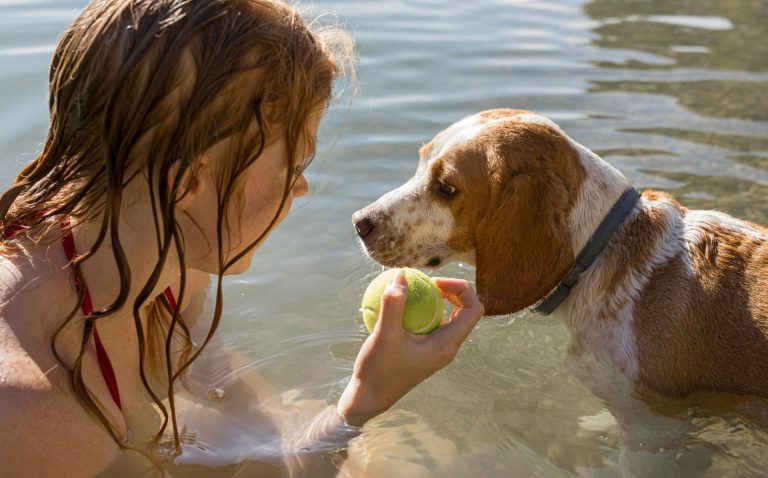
{"x":672,"y":92}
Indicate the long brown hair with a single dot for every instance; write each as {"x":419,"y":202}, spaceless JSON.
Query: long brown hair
{"x":138,"y":85}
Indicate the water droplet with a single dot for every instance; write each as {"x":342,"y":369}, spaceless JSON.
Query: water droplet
{"x":216,"y":394}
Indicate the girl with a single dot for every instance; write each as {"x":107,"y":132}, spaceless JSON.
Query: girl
{"x":179,"y":133}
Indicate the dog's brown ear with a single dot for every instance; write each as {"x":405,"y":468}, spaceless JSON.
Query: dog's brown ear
{"x":523,"y":244}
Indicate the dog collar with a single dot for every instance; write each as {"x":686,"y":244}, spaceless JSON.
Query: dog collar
{"x":594,"y":247}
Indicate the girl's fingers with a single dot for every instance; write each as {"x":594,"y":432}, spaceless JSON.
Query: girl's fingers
{"x":458,"y":290}
{"x":468,"y":312}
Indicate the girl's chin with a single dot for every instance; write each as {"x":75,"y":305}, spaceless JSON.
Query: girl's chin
{"x":238,"y":267}
{"x":242,"y":265}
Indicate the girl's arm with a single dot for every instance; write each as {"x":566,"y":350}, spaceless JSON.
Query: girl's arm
{"x":390,"y":363}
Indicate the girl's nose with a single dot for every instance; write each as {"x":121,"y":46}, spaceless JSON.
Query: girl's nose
{"x":300,"y":187}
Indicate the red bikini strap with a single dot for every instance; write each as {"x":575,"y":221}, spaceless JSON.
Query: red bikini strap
{"x":171,"y":300}
{"x":105,"y":364}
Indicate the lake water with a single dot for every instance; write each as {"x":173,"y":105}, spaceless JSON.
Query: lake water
{"x":672,"y":92}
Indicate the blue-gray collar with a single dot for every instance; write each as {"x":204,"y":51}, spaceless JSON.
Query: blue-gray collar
{"x":594,"y":247}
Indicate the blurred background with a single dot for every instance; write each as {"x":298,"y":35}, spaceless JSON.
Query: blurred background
{"x":674,"y":93}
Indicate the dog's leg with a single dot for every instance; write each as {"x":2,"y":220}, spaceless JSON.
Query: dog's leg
{"x":650,"y":444}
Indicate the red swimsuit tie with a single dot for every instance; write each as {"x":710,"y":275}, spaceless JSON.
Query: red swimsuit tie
{"x":101,"y":352}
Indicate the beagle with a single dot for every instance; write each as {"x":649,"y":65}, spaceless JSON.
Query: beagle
{"x":675,"y":299}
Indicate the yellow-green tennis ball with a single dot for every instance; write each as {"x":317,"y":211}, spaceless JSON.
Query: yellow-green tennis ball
{"x":423,"y":309}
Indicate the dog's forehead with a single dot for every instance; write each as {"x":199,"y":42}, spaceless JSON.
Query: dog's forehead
{"x":473,"y":126}
{"x":456,"y":134}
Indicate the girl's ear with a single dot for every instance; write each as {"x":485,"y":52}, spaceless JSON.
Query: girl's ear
{"x":189,"y":182}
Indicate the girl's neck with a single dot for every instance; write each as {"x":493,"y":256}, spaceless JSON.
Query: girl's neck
{"x":40,"y":285}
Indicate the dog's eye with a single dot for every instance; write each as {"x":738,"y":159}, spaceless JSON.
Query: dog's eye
{"x":447,"y":190}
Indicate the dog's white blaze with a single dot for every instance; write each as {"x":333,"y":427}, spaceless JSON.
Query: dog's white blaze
{"x":538,"y":119}
{"x":461,"y":132}
{"x":456,"y":134}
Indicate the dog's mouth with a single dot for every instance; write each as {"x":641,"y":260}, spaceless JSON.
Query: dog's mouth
{"x":398,"y":246}
{"x":395,"y":257}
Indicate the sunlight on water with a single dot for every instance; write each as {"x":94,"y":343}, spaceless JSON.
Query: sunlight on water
{"x":673,"y":93}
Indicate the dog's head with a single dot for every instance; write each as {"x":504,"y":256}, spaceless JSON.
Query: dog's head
{"x":498,"y":190}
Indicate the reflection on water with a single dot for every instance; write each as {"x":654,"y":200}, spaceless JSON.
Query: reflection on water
{"x":708,"y":34}
{"x":722,"y":35}
{"x":725,"y":141}
{"x":712,"y":58}
{"x":740,"y":197}
{"x":724,"y":99}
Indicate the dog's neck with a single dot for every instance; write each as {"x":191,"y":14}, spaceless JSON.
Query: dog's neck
{"x":603,"y":185}
{"x":592,"y":250}
{"x":603,"y":302}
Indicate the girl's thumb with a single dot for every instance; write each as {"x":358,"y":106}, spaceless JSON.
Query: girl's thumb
{"x":393,"y":303}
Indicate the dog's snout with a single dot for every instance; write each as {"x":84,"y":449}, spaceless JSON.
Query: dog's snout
{"x":363,"y":224}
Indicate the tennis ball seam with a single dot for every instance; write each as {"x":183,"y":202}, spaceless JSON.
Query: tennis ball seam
{"x":438,"y":297}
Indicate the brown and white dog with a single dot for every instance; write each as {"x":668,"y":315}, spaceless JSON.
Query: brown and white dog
{"x":678,"y":299}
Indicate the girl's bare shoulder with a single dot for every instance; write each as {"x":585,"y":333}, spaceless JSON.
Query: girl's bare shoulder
{"x":43,"y":431}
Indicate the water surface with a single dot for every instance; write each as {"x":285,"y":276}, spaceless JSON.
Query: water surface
{"x":672,"y":92}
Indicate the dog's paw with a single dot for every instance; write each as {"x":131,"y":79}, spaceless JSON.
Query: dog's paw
{"x":602,"y":423}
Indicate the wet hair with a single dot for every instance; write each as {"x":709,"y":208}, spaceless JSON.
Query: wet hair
{"x":142,"y":88}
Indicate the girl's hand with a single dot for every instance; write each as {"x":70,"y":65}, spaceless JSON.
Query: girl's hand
{"x":392,"y":360}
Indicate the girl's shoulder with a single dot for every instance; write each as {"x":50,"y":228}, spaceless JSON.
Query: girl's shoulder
{"x":43,"y":432}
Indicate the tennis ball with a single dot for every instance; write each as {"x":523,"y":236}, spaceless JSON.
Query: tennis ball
{"x":423,"y":309}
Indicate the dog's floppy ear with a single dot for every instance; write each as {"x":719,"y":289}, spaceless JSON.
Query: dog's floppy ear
{"x":523,"y":243}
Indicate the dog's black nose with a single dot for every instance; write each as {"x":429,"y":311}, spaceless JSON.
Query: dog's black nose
{"x":363,"y":224}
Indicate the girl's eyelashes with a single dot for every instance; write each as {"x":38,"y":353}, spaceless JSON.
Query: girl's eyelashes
{"x":298,"y":170}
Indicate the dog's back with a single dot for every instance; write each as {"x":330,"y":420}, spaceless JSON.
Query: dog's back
{"x":678,"y":301}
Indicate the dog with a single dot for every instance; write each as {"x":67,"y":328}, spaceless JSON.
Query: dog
{"x":675,"y":300}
